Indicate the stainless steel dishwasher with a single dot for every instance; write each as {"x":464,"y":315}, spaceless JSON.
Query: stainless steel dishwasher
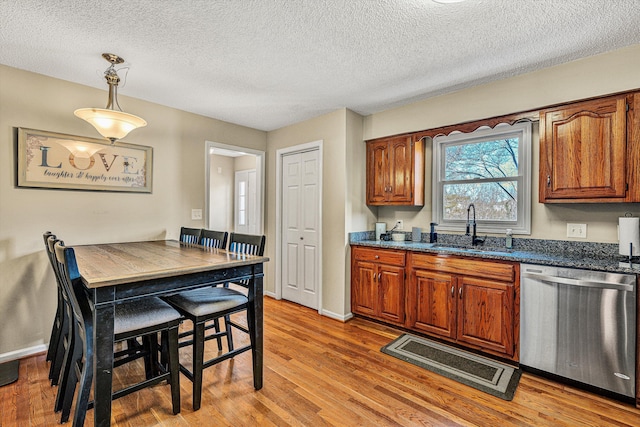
{"x":580,"y":325}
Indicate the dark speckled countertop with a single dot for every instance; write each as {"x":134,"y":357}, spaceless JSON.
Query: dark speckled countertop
{"x":584,"y":255}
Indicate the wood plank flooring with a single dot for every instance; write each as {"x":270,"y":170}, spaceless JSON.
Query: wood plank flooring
{"x":321,"y":372}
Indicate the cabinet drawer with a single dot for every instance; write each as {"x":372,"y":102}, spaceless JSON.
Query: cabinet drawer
{"x":465,"y":266}
{"x":383,"y":256}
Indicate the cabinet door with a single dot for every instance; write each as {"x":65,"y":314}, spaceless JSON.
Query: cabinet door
{"x":485,"y":314}
{"x":391,"y":293}
{"x":364,"y":293}
{"x":377,"y":172}
{"x":400,"y":170}
{"x":583,"y":151}
{"x":433,"y":302}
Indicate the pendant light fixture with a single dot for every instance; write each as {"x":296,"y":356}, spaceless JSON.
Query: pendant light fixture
{"x":111,"y":123}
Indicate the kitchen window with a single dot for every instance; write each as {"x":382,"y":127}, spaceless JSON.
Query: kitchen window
{"x":490,"y":168}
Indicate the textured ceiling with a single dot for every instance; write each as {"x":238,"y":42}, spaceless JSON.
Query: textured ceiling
{"x":271,"y":63}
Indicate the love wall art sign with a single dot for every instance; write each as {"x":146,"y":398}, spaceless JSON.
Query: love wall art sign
{"x":53,"y":160}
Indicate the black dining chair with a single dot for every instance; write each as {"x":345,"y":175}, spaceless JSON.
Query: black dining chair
{"x":141,"y":318}
{"x":212,"y":304}
{"x":190,"y":235}
{"x":251,"y":244}
{"x":60,"y":330}
{"x":214,"y":239}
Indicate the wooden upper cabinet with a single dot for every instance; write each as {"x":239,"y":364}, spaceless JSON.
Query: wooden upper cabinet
{"x":395,"y":171}
{"x":583,"y":152}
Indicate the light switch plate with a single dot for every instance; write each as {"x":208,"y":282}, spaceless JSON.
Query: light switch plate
{"x":577,"y":230}
{"x":196,"y":213}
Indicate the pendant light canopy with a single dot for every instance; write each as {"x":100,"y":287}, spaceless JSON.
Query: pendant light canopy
{"x":111,"y":123}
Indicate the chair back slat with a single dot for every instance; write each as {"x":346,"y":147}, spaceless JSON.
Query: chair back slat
{"x":190,"y":235}
{"x":247,"y":244}
{"x":214,"y":239}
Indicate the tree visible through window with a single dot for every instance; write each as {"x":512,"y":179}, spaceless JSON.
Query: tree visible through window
{"x":484,"y":168}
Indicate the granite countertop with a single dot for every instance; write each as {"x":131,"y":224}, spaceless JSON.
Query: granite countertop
{"x":588,"y":256}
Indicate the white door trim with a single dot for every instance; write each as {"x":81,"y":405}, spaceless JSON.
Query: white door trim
{"x":260,"y":178}
{"x":309,"y":146}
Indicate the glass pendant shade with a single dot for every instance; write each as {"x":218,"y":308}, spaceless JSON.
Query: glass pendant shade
{"x":111,"y":124}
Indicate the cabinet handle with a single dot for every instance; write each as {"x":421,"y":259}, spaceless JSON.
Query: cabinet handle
{"x":460,"y":292}
{"x":379,"y":277}
{"x":377,"y":256}
{"x":453,"y":291}
{"x":548,"y":180}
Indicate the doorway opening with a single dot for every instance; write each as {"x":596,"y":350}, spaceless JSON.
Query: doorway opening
{"x":234,"y":188}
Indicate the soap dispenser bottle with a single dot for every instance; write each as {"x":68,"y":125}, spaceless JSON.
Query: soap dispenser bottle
{"x":433,"y":236}
{"x":509,"y":239}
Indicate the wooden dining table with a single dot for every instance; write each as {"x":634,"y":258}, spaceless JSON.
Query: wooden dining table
{"x":117,"y":272}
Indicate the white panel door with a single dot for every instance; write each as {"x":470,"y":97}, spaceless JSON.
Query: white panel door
{"x":246,"y":202}
{"x":300,"y":222}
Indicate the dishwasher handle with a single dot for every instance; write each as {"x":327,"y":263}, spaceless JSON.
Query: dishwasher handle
{"x":579,"y":282}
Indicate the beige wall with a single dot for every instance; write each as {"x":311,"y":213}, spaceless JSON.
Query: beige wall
{"x":358,"y":216}
{"x":331,"y":128}
{"x":27,"y":287}
{"x":221,"y":189}
{"x":598,"y":75}
{"x":243,"y":163}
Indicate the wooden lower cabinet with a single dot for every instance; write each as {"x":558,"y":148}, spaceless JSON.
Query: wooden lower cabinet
{"x":469,"y":301}
{"x":431,"y":296}
{"x":485,"y":314}
{"x":377,"y":284}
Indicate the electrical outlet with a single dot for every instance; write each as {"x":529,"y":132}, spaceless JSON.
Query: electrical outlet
{"x":577,"y":230}
{"x":399,"y":224}
{"x":196,"y":213}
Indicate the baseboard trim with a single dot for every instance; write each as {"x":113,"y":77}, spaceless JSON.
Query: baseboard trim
{"x":22,"y":353}
{"x":327,"y":313}
{"x":336,"y":316}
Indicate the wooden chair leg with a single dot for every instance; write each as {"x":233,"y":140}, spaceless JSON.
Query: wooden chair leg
{"x":228,"y":328}
{"x":174,"y":367}
{"x":57,"y":360}
{"x":67,"y":388}
{"x":164,"y":350}
{"x":216,"y":325}
{"x":198,"y":362}
{"x":56,"y":330}
{"x":82,"y":402}
{"x":68,"y":377}
{"x":150,"y":345}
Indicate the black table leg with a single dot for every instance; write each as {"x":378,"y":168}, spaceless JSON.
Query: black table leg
{"x":256,"y":311}
{"x":103,"y":367}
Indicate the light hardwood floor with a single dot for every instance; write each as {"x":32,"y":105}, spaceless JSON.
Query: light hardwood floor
{"x":321,"y":372}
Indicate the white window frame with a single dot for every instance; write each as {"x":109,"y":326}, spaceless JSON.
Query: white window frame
{"x":520,"y":130}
